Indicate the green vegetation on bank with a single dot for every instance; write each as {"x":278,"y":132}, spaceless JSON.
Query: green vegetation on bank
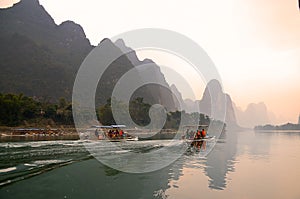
{"x":20,"y":110}
{"x":139,"y":113}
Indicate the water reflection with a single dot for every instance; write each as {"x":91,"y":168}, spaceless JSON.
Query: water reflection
{"x":89,"y":178}
{"x":269,"y":157}
{"x":214,"y":168}
{"x":221,"y":160}
{"x":110,"y":171}
{"x":290,"y":133}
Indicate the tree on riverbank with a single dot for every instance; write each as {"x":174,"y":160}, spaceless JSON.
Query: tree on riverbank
{"x":17,"y":109}
{"x":20,"y":110}
{"x":139,"y":113}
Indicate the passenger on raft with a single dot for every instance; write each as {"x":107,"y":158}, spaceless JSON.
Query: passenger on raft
{"x":121,"y":133}
{"x":198,"y":135}
{"x":203,"y":133}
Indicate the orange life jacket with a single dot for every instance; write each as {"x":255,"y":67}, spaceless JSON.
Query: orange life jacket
{"x":203,"y":133}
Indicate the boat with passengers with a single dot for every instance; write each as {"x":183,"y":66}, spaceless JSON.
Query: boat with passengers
{"x":113,"y":133}
{"x":192,"y":133}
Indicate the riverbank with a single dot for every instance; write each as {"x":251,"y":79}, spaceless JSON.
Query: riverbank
{"x":17,"y":134}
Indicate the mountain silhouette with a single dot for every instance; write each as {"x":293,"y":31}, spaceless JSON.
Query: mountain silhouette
{"x":215,"y":103}
{"x":151,"y":93}
{"x":40,"y":58}
{"x":160,"y":92}
{"x":254,"y":115}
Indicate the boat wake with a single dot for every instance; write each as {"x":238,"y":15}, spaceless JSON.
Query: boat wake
{"x":22,"y":160}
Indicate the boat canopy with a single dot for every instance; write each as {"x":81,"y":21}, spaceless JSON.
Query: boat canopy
{"x":108,"y":127}
{"x":118,"y":126}
{"x":190,"y":126}
{"x":33,"y":129}
{"x":102,"y":127}
{"x":195,"y":126}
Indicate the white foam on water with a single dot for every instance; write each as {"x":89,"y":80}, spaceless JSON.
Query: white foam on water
{"x":8,"y":169}
{"x":46,"y":162}
{"x":37,"y":144}
{"x":30,"y":165}
{"x":15,"y":145}
{"x":123,"y":151}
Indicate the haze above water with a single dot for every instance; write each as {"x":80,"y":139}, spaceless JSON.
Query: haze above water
{"x":242,"y":165}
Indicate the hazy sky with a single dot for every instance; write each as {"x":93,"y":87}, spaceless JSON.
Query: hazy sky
{"x":255,"y":44}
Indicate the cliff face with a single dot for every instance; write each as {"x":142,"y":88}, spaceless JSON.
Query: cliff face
{"x":230,"y":113}
{"x":180,"y":105}
{"x":38,"y":57}
{"x":161,"y":92}
{"x":215,"y":103}
{"x":30,"y":19}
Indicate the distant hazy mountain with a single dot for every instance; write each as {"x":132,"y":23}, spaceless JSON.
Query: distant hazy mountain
{"x":177,"y":98}
{"x":213,"y":98}
{"x":254,"y":115}
{"x":191,"y":105}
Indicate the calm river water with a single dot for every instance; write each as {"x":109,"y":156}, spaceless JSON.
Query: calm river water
{"x":242,"y":165}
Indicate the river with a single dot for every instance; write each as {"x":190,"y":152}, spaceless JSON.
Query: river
{"x":242,"y":165}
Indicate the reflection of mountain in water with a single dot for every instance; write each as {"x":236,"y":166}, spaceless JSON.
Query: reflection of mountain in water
{"x":90,"y":179}
{"x":221,"y":160}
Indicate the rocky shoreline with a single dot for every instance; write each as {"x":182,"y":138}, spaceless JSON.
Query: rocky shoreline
{"x":8,"y":134}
